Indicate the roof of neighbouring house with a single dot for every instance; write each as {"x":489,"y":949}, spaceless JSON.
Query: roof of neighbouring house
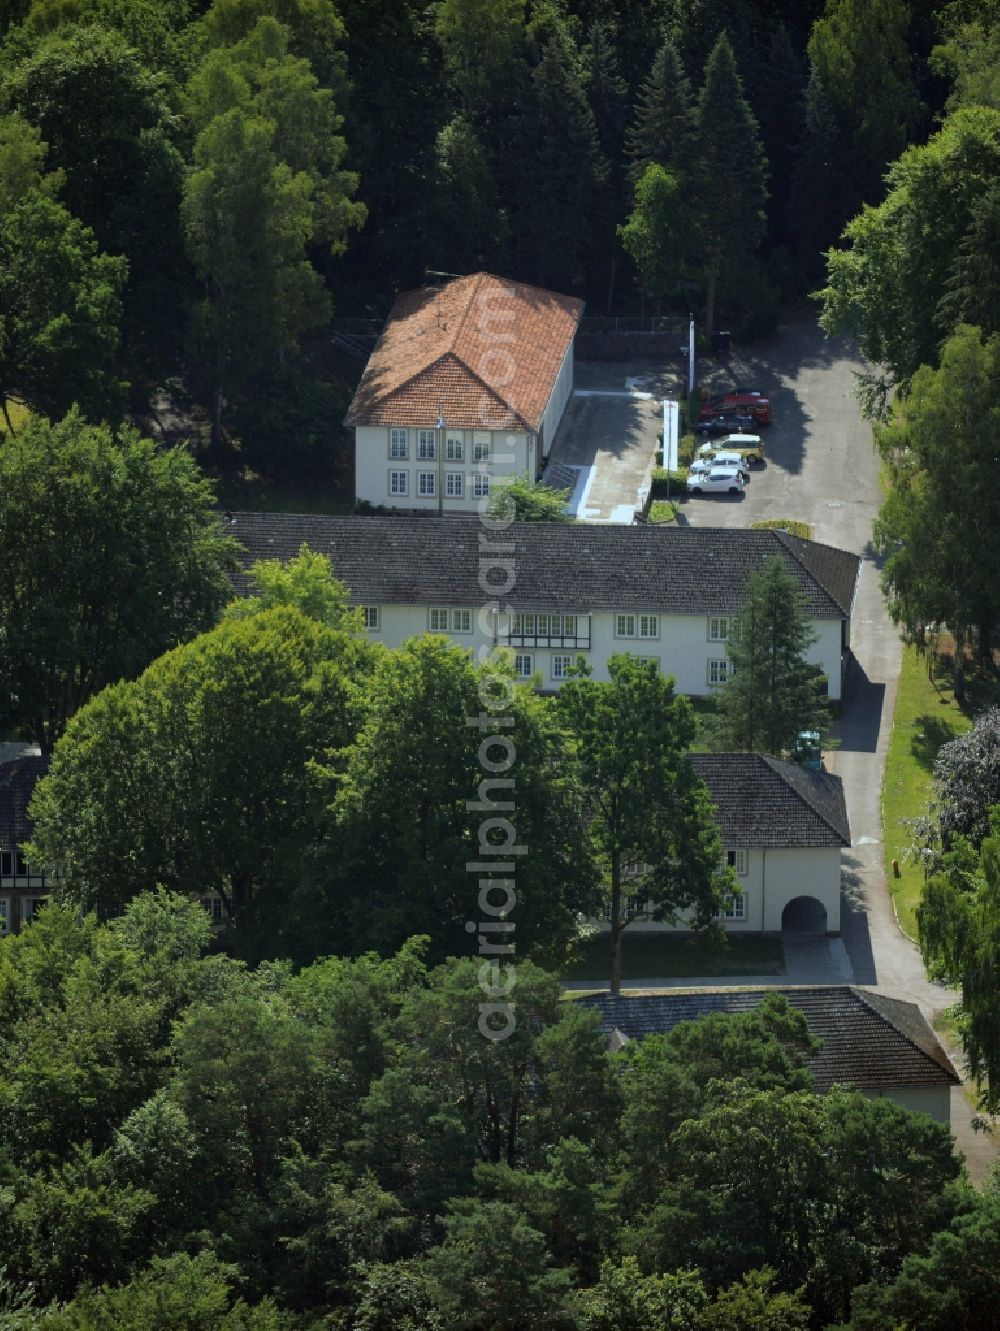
{"x":21,"y":766}
{"x":483,"y":352}
{"x":764,"y":801}
{"x":415,"y":560}
{"x":869,"y":1041}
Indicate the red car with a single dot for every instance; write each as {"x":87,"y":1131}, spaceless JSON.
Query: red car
{"x":741,"y":401}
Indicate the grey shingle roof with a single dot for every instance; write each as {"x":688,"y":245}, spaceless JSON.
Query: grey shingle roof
{"x":407,"y":560}
{"x":766,"y":802}
{"x":869,"y":1041}
{"x":17,"y":783}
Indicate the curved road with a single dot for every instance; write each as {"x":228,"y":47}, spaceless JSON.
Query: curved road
{"x":823,"y":469}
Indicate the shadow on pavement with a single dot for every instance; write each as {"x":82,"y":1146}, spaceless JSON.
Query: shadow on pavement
{"x":861,"y":719}
{"x":854,"y":922}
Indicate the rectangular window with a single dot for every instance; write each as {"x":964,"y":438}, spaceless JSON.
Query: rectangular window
{"x":426,"y":483}
{"x":481,"y":450}
{"x":399,"y":483}
{"x":214,"y":908}
{"x":524,"y":666}
{"x":461,"y":621}
{"x":426,"y":445}
{"x":6,"y":864}
{"x":480,"y":485}
{"x":370,"y":613}
{"x":542,"y":622}
{"x":569,"y":626}
{"x":561,"y":666}
{"x":398,"y":444}
{"x":718,"y":671}
{"x":4,"y":916}
{"x":437,"y":621}
{"x":454,"y":449}
{"x":31,"y":908}
{"x":718,"y":628}
{"x":733,"y":908}
{"x":649,"y":626}
{"x":624,"y":626}
{"x":649,"y":660}
{"x":737,"y":860}
{"x":454,"y":484}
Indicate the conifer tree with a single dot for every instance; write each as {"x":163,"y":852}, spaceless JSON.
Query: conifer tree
{"x":728,"y":162}
{"x":772,"y":692}
{"x":662,"y":128}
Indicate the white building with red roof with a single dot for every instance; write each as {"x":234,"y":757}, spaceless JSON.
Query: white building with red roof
{"x":466,"y":387}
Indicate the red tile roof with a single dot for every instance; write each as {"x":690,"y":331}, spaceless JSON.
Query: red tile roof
{"x":482,"y":352}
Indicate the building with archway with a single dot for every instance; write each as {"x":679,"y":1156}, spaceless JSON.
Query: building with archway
{"x":783,"y":828}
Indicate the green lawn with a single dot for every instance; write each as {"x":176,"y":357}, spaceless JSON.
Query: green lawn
{"x":651,"y":956}
{"x":926,"y":717}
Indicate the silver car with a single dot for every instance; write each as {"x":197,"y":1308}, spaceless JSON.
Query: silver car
{"x":701,"y":466}
{"x":720,"y":480}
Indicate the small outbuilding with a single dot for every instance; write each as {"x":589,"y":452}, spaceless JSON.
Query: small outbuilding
{"x":878,"y":1045}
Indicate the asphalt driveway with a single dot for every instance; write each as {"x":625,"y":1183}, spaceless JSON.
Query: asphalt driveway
{"x":822,"y":469}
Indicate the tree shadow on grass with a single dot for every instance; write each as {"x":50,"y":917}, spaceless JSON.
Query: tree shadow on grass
{"x":929,"y":733}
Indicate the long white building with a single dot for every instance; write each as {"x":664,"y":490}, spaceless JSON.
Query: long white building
{"x":551,"y":592}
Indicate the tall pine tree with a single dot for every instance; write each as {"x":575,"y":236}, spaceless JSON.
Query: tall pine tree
{"x":607,"y":95}
{"x":559,"y":176}
{"x":728,"y":171}
{"x":772,"y":692}
{"x":662,"y":129}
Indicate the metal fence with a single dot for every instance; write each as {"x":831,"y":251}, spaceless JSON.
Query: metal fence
{"x":358,"y":327}
{"x":633,"y":324}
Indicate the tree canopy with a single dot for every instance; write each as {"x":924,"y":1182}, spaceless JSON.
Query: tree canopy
{"x":110,"y":553}
{"x":772,"y":692}
{"x":649,"y":817}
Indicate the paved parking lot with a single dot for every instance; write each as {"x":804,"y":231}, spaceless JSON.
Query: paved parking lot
{"x":821,"y":466}
{"x":607,"y":440}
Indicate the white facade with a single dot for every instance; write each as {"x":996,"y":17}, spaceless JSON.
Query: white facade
{"x":434,"y":470}
{"x":934,"y":1101}
{"x":437,"y":471}
{"x":770,"y":878}
{"x":692,"y":648}
{"x":561,"y":394}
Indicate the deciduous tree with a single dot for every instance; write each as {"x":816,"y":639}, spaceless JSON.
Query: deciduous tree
{"x":885,"y":285}
{"x":415,"y":805}
{"x":161,"y":780}
{"x":650,"y":819}
{"x":940,"y":550}
{"x":109,"y":554}
{"x":60,"y":310}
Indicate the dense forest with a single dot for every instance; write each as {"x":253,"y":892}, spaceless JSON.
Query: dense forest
{"x":193,"y":1145}
{"x":189,"y":191}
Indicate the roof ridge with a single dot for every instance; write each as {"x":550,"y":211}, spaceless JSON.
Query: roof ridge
{"x":460,"y":327}
{"x":786,"y":539}
{"x":797,"y":791}
{"x":873,"y":1003}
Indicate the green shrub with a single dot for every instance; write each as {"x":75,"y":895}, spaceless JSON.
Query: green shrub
{"x":791,"y":525}
{"x":662,"y":510}
{"x":662,"y":480}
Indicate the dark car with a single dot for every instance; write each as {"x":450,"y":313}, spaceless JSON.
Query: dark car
{"x":742,"y":399}
{"x":735,"y":422}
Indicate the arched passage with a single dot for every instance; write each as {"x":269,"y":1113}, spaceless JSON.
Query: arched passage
{"x":804,"y":915}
